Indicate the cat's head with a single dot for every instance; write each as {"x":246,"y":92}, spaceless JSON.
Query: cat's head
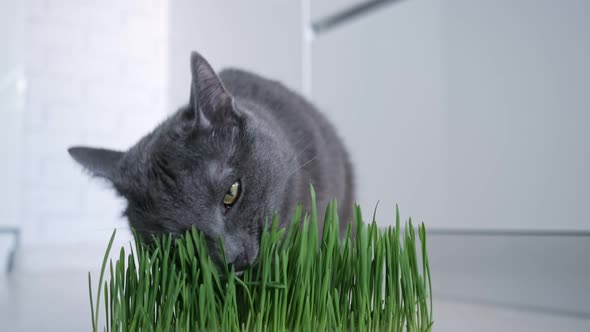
{"x":211,"y":165}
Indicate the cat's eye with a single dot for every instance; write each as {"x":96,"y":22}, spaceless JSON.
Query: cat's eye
{"x":232,"y":194}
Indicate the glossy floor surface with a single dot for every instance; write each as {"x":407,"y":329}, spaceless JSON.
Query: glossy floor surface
{"x":58,"y":301}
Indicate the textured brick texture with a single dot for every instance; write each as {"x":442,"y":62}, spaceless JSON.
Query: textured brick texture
{"x":96,"y":74}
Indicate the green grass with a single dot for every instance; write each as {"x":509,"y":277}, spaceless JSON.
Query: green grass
{"x":373,"y":281}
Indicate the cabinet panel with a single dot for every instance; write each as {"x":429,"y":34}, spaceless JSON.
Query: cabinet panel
{"x":469,"y":115}
{"x":378,"y":78}
{"x":517,"y":90}
{"x":465,"y":317}
{"x":546,"y":273}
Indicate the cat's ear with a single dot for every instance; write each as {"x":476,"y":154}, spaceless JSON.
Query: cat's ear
{"x":211,"y":105}
{"x":100,"y":162}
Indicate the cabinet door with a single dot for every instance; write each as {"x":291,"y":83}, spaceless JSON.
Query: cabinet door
{"x":378,"y":78}
{"x":517,"y":91}
{"x":466,"y":317}
{"x":473,"y":117}
{"x":469,"y":115}
{"x":540,"y":273}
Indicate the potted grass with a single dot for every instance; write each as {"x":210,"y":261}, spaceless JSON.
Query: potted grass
{"x":375,"y":280}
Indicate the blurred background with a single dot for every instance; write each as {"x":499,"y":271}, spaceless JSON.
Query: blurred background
{"x":473,"y":116}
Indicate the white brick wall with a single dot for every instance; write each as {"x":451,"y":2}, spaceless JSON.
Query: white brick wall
{"x":97,"y":74}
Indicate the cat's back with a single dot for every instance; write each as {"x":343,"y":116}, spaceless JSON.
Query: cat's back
{"x":292,"y":112}
{"x":285,"y":105}
{"x":312,"y":136}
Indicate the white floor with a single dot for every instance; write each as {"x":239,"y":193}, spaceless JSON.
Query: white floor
{"x":58,"y":301}
{"x":460,"y":317}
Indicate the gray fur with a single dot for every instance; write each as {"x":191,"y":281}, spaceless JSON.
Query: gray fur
{"x":237,"y":126}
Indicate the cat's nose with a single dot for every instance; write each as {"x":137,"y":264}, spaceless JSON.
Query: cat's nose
{"x":241,"y":262}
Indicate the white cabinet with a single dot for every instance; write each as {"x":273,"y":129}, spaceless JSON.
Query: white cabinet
{"x":517,"y":93}
{"x":467,"y":114}
{"x":378,"y":78}
{"x":465,"y":317}
{"x":532,"y":272}
{"x":473,"y":116}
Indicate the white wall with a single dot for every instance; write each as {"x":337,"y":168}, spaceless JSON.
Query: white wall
{"x":96,"y":75}
{"x":11,"y":103}
{"x":264,"y":36}
{"x":12,"y":83}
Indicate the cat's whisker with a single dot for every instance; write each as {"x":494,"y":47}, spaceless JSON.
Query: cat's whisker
{"x":282,"y":174}
{"x":298,"y":168}
{"x":304,"y":149}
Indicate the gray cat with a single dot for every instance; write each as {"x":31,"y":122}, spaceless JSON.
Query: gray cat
{"x":244,"y":148}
